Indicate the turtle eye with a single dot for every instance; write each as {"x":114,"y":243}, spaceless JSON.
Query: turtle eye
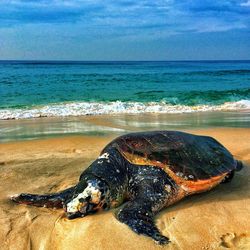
{"x":81,"y":200}
{"x":87,"y":199}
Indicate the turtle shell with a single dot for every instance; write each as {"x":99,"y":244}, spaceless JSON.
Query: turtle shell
{"x":185,"y":157}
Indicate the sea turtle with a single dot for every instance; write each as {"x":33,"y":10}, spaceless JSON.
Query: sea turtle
{"x":147,"y":171}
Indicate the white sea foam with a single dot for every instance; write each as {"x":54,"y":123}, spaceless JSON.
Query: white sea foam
{"x":118,"y":107}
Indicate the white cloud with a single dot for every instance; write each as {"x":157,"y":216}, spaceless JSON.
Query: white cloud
{"x":247,"y":4}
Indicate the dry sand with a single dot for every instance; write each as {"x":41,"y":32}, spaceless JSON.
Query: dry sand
{"x":219,"y":219}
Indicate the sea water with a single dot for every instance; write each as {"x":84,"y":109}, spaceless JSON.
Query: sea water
{"x":30,"y":89}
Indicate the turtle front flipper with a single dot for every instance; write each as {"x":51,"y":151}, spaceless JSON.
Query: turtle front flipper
{"x":138,"y":216}
{"x":55,"y":200}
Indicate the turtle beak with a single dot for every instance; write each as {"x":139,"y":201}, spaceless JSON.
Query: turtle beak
{"x":72,"y":216}
{"x":82,"y":211}
{"x":88,"y":208}
{"x":85,"y":209}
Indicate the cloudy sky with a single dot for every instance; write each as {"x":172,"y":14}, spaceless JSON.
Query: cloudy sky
{"x":124,"y":29}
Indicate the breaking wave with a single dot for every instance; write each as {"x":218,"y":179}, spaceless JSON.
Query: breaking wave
{"x":117,"y":107}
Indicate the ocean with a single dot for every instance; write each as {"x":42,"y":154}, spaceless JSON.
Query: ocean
{"x":30,"y":89}
{"x":51,"y":99}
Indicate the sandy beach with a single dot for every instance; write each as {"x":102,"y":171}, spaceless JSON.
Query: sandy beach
{"x":218,"y":219}
{"x":75,"y":75}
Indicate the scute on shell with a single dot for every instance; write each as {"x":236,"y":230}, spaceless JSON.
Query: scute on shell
{"x":190,"y":157}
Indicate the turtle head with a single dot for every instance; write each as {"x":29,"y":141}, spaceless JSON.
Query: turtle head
{"x":90,"y":196}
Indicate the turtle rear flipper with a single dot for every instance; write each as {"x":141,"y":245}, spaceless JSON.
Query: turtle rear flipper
{"x":137,"y":215}
{"x":228,"y":177}
{"x":239,"y":165}
{"x":55,"y":200}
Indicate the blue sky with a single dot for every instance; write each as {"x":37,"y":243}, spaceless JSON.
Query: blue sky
{"x":125,"y":30}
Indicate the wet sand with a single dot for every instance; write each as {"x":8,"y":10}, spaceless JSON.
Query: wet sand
{"x":106,"y":125}
{"x":218,"y":219}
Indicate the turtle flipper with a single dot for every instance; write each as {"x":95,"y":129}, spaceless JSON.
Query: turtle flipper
{"x":228,"y":177}
{"x":137,"y":215}
{"x":55,"y":200}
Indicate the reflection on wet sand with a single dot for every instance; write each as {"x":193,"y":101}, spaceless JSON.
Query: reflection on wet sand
{"x":103,"y":125}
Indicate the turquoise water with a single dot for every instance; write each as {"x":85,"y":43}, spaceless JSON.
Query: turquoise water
{"x":34,"y":89}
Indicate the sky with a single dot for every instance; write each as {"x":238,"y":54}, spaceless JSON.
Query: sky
{"x":125,"y":30}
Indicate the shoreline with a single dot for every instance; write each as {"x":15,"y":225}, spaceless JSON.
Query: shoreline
{"x":105,"y":125}
{"x":50,"y":165}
